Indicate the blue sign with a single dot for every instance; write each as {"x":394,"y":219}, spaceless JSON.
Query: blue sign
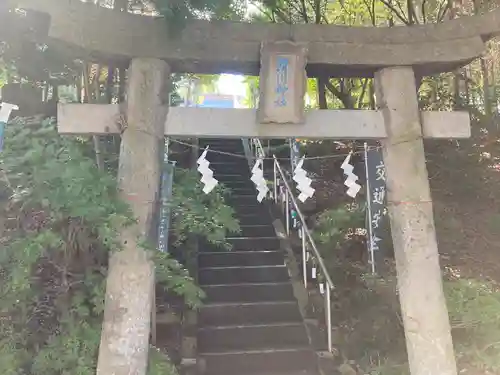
{"x":281,"y":80}
{"x":217,"y":101}
{"x":2,"y":131}
{"x":167,"y":181}
{"x":294,"y":153}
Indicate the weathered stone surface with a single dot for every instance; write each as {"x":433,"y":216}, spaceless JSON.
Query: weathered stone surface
{"x":423,"y":306}
{"x":241,"y":123}
{"x":130,"y":282}
{"x":214,"y":47}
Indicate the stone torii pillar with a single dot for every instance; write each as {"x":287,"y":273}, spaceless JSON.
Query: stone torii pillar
{"x":423,"y":305}
{"x":130,"y":282}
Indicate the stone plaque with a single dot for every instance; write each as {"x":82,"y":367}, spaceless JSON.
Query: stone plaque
{"x":282,"y":82}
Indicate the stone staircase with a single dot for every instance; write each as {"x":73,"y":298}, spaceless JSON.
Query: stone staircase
{"x":251,"y":323}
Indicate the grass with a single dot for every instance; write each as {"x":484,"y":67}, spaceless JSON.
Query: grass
{"x":474,"y":310}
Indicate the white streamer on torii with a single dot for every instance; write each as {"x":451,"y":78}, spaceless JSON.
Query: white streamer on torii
{"x":350,"y":182}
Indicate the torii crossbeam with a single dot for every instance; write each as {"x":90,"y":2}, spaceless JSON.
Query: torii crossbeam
{"x":181,"y":122}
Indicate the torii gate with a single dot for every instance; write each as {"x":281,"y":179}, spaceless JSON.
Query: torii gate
{"x":214,"y":47}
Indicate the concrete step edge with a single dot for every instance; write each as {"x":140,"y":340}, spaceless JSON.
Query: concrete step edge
{"x":251,"y":326}
{"x":243,"y":267}
{"x":298,"y":348}
{"x":253,"y":303}
{"x":241,"y":252}
{"x":249,"y":284}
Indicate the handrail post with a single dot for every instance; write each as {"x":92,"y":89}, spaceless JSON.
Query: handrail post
{"x":287,"y":212}
{"x":304,"y":256}
{"x":329,"y":317}
{"x":275,"y":182}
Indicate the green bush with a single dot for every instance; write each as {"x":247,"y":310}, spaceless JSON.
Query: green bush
{"x":204,"y":214}
{"x":335,"y":226}
{"x":64,"y":219}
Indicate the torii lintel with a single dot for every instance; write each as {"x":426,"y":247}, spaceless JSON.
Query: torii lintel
{"x":94,"y":32}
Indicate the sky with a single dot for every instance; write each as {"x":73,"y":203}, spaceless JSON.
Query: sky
{"x":231,"y":84}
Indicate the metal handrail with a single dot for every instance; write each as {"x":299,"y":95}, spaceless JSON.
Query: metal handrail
{"x":307,"y":239}
{"x":304,"y":226}
{"x":258,"y":143}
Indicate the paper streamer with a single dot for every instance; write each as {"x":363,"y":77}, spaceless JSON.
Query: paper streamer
{"x":5,"y":111}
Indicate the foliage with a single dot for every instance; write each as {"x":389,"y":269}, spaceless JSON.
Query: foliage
{"x":5,"y":71}
{"x":202,"y":214}
{"x":159,"y":363}
{"x":436,"y":93}
{"x":177,"y":12}
{"x":335,"y":226}
{"x":474,"y":309}
{"x":387,"y":367}
{"x":54,"y":262}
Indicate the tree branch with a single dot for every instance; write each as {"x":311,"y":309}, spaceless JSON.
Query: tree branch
{"x":443,"y":10}
{"x":322,"y":82}
{"x":398,"y":14}
{"x":343,"y":97}
{"x":363,"y":92}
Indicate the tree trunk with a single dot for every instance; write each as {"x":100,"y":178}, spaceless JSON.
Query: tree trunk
{"x":89,"y":98}
{"x":486,"y":90}
{"x":466,"y":86}
{"x":322,"y":93}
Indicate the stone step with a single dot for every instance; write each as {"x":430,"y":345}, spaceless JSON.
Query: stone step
{"x":240,"y":258}
{"x":248,"y":313}
{"x":243,"y":200}
{"x":243,"y":190}
{"x":244,"y":244}
{"x":230,"y":168}
{"x":229,"y":177}
{"x":242,"y":275}
{"x":233,"y":148}
{"x":220,"y":142}
{"x":254,"y":243}
{"x":249,"y":220}
{"x":297,"y":372}
{"x":249,"y":293}
{"x":226,"y":156}
{"x":278,"y":336}
{"x":251,"y":210}
{"x":229,"y":148}
{"x":256,"y":231}
{"x":229,"y":161}
{"x":262,"y":362}
{"x":238,"y":183}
